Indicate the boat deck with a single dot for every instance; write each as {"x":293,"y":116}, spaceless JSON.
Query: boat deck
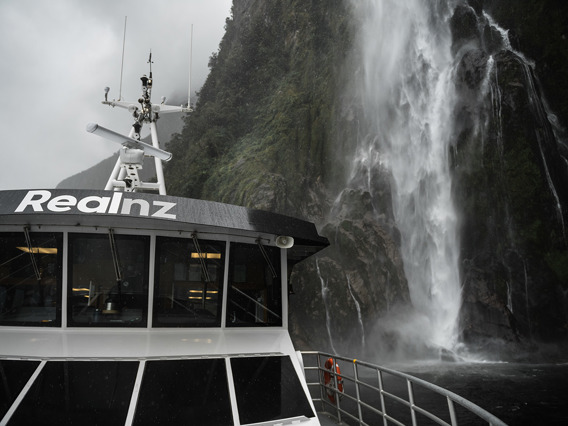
{"x":326,"y":419}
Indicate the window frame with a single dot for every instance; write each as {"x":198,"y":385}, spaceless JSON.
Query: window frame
{"x":147,"y":242}
{"x":218,"y":236}
{"x":60,"y":278}
{"x":221,"y":288}
{"x":277,"y":282}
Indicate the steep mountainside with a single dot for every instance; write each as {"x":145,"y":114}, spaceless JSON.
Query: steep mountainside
{"x":272,"y":130}
{"x":276,"y":126}
{"x":260,"y":133}
{"x":511,"y":174}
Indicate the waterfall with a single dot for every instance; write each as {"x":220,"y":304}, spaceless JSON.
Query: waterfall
{"x":407,"y":93}
{"x":359,"y":315}
{"x":509,"y":297}
{"x":325,"y":298}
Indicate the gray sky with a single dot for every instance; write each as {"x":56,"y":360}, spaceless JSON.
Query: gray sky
{"x":56,"y":57}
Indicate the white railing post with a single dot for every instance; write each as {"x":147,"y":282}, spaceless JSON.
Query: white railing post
{"x":356,"y":377}
{"x":452,"y":410}
{"x":382,"y":396}
{"x":336,"y":387}
{"x":411,"y":401}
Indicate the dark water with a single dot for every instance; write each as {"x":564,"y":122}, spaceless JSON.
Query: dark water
{"x":519,"y":394}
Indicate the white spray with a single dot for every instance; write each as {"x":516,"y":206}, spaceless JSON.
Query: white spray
{"x":408,"y":97}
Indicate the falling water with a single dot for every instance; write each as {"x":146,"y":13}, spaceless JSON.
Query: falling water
{"x":408,"y":93}
{"x":325,"y":297}
{"x":359,"y":315}
{"x":509,"y":297}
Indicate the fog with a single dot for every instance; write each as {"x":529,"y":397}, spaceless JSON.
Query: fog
{"x":57,"y":57}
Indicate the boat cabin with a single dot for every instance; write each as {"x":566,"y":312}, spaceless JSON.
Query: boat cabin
{"x":135,"y":308}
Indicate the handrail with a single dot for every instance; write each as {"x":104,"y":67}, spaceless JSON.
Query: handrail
{"x":401,"y":404}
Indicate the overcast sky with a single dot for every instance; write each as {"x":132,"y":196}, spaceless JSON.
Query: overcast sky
{"x":57,"y":56}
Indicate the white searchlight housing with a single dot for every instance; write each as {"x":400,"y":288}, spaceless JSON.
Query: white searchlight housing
{"x":284,"y":242}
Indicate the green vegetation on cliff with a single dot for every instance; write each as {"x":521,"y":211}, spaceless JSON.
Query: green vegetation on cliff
{"x":259,"y":133}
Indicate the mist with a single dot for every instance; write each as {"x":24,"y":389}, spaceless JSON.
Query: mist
{"x":58,"y":56}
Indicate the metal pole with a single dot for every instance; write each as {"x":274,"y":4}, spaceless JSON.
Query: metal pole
{"x":356,"y":376}
{"x":321,"y":382}
{"x":411,"y":401}
{"x":336,"y":390}
{"x":452,"y":410}
{"x":382,"y":397}
{"x":157,"y":161}
{"x":190,"y":59}
{"x":122,"y":63}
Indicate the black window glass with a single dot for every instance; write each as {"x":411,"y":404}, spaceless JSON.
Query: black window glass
{"x":96,"y":297}
{"x":184,"y":392}
{"x":267,"y":388}
{"x":13,"y":376}
{"x":188,"y":283}
{"x":30,"y":278}
{"x":255,"y":296}
{"x":79,"y":393}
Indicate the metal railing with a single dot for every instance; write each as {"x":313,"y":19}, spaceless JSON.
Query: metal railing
{"x":374,"y":395}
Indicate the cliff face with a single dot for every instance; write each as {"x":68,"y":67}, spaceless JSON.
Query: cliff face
{"x":511,"y":172}
{"x":261,"y":133}
{"x":539,"y":29}
{"x":272,"y":130}
{"x":276,"y":127}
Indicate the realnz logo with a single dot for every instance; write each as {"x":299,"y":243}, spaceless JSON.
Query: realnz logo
{"x":40,"y":200}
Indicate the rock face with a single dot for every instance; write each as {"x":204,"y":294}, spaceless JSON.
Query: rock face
{"x":359,"y":278}
{"x":275,"y":126}
{"x":510,"y":179}
{"x":272,"y":130}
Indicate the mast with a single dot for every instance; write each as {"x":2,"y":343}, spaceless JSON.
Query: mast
{"x":124,"y":176}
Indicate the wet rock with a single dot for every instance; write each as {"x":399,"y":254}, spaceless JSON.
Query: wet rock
{"x":359,"y":277}
{"x":510,"y":226}
{"x":269,"y":191}
{"x":476,"y":5}
{"x":464,"y":27}
{"x":471,"y":72}
{"x":492,"y":39}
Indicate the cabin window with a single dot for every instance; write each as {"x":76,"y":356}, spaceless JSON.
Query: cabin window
{"x":268,"y":388}
{"x":98,"y":297}
{"x":184,"y":392}
{"x":79,"y":393}
{"x":255,"y":289}
{"x":30,"y":278}
{"x":188,"y":282}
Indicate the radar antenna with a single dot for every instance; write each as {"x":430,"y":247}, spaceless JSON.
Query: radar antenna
{"x":124,"y":176}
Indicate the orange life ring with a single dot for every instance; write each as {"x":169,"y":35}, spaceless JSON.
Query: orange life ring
{"x":330,"y":381}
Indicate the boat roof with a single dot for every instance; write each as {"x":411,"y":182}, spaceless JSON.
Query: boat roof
{"x":138,"y":210}
{"x":142,"y":343}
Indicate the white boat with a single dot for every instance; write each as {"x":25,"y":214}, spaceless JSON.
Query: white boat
{"x":123,"y":307}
